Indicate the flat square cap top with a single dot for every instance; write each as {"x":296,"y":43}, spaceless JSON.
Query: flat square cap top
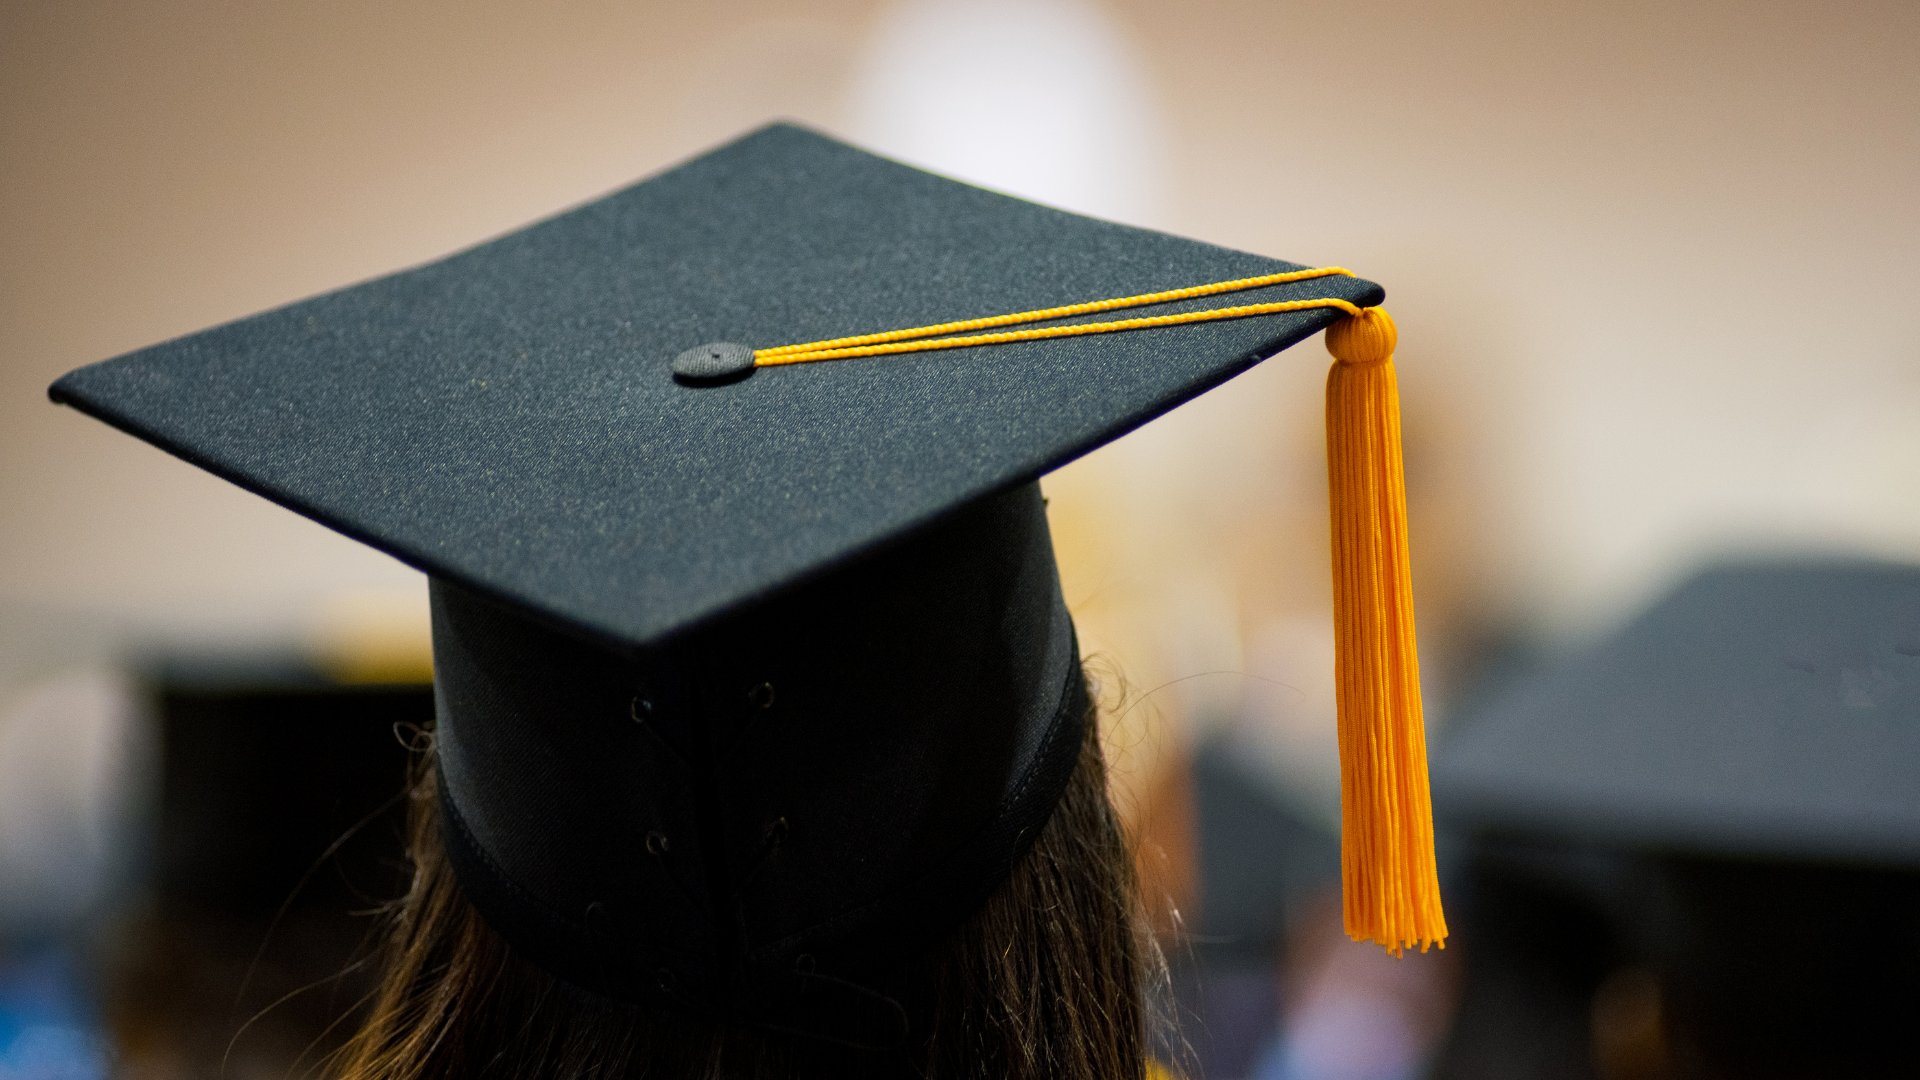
{"x":506,"y":418}
{"x":1764,"y":709}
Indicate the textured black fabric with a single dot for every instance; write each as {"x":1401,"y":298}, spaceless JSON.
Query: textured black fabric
{"x":1767,"y":710}
{"x":506,"y":418}
{"x":763,"y":817}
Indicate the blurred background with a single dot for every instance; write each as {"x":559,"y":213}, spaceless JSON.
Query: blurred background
{"x":1649,"y":262}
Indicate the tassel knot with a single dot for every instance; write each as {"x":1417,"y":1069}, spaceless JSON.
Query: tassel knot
{"x":1366,"y":338}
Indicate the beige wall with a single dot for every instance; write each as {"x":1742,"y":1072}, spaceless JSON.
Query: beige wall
{"x":1654,"y":266}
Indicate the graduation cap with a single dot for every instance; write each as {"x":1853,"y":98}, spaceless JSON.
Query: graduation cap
{"x":1766,"y":709}
{"x":749,"y":644}
{"x":1720,"y":797}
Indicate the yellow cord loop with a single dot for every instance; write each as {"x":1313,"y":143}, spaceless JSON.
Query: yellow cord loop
{"x":1389,"y":883}
{"x":1391,"y":888}
{"x":924,"y":338}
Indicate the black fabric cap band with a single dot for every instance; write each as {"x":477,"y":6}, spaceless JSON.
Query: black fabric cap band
{"x":761,"y":817}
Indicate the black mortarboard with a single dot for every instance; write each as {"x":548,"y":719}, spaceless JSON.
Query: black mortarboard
{"x":735,"y":680}
{"x":1768,"y":710}
{"x":1720,"y":802}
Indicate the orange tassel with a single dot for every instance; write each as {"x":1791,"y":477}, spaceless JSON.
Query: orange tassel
{"x":1390,"y":886}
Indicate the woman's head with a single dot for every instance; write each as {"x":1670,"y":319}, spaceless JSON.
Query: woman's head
{"x":766,"y":810}
{"x":1046,"y":979}
{"x":858,"y":827}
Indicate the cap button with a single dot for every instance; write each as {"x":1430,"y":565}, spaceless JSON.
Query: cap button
{"x":716,"y":362}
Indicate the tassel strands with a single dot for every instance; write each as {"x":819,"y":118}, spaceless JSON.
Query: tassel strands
{"x":1390,"y":886}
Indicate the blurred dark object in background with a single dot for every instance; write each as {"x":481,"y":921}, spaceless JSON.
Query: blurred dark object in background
{"x":1694,"y":850}
{"x":1266,"y":983}
{"x":1262,"y":866}
{"x":278,"y":825}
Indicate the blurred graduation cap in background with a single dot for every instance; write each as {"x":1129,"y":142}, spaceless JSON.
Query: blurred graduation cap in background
{"x":271,"y":817}
{"x":698,"y":597}
{"x":1719,"y":801}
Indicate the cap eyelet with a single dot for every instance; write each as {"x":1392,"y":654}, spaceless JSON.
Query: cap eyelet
{"x":761,"y":696}
{"x":640,"y":710}
{"x":595,"y":917}
{"x":776,"y":830}
{"x":666,"y":980}
{"x":804,"y":964}
{"x":657,"y":844}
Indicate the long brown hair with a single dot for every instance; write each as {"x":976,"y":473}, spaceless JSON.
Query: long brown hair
{"x":1048,"y":979}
